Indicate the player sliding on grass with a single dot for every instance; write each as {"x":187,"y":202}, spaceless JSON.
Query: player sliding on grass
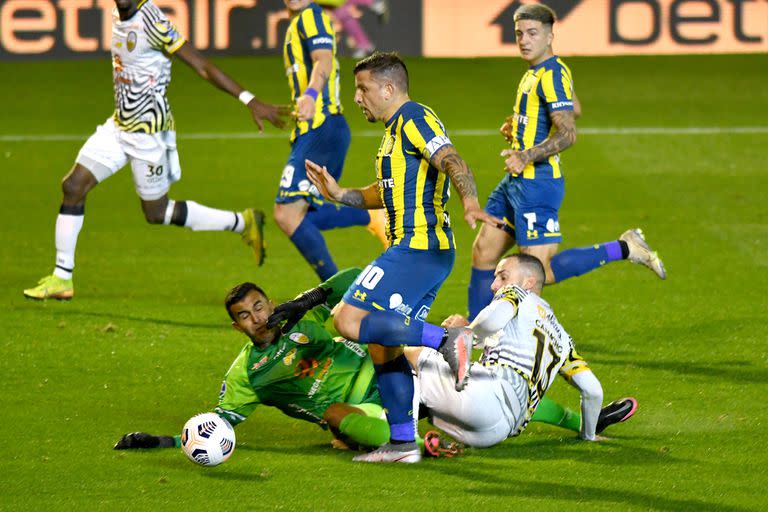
{"x":307,"y":373}
{"x":529,"y":196}
{"x":142,"y":131}
{"x":524,"y":348}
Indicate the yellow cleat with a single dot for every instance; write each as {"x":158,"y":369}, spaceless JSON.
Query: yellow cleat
{"x":378,"y":226}
{"x":640,"y":252}
{"x":253,"y":233}
{"x":51,"y":287}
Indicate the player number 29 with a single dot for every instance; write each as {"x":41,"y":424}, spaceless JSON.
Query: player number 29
{"x":370,"y":277}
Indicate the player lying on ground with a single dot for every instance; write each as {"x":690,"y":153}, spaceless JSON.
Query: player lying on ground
{"x":307,"y":373}
{"x":142,"y":131}
{"x":525,"y":347}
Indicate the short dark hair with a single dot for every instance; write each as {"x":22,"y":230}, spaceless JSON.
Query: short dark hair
{"x":532,"y":266}
{"x":536,"y":12}
{"x":388,"y":64}
{"x":238,"y":293}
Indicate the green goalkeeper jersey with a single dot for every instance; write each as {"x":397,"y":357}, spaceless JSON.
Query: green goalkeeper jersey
{"x":304,"y":371}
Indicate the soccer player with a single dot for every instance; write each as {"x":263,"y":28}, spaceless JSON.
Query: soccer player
{"x":386,"y":306}
{"x":303,"y":370}
{"x":525,"y":347}
{"x":320,"y":133}
{"x":142,"y":131}
{"x":530,"y":194}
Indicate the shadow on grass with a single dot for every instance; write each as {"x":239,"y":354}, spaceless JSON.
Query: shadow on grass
{"x":494,"y":480}
{"x":140,"y":319}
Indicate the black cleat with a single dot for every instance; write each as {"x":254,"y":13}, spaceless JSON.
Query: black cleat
{"x":615,"y":412}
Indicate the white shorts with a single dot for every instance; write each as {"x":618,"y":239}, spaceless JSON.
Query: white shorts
{"x":153,"y":156}
{"x":484,"y":413}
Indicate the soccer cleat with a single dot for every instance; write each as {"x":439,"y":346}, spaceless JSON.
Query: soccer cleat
{"x":640,"y":252}
{"x":137,"y":440}
{"x":434,"y":446}
{"x":408,"y":453}
{"x":615,"y":412}
{"x":457,"y":352}
{"x":253,"y":233}
{"x":51,"y":287}
{"x":378,"y":226}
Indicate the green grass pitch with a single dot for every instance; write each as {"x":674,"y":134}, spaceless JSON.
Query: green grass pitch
{"x":145,"y":343}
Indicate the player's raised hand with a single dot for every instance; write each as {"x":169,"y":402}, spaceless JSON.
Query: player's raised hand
{"x":322,"y":179}
{"x":289,"y":312}
{"x":515,"y":161}
{"x":275,"y":114}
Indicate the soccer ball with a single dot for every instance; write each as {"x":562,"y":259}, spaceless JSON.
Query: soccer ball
{"x":208,"y":439}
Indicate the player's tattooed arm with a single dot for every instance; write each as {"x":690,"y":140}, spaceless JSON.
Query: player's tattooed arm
{"x":448,"y":161}
{"x":563,"y":137}
{"x":367,"y":198}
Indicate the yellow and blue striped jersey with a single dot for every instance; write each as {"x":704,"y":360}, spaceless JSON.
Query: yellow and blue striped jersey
{"x":546,"y":87}
{"x":413,"y":191}
{"x":311,"y":30}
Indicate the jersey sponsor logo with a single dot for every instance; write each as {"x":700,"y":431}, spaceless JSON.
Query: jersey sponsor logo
{"x":435,"y":144}
{"x":289,"y":357}
{"x":561,"y":104}
{"x":541,"y":311}
{"x":258,"y":364}
{"x":387,"y":183}
{"x":351,"y":345}
{"x":359,"y":295}
{"x":131,"y":41}
{"x":422,"y":313}
{"x":299,"y":337}
{"x":321,"y":40}
{"x":520,"y":119}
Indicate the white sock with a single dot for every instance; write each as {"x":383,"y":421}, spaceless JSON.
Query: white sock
{"x":202,"y":218}
{"x":67,"y":229}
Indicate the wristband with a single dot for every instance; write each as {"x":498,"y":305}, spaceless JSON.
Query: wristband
{"x":245,"y":97}
{"x":311,"y":91}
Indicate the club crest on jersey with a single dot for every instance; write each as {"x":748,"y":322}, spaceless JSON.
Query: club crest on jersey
{"x":542,"y":312}
{"x":131,"y":41}
{"x":388,"y":145}
{"x":299,"y":337}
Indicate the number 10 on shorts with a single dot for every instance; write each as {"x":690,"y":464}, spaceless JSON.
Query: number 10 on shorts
{"x":370,"y":277}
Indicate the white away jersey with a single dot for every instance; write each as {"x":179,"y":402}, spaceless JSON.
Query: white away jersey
{"x":141,"y":69}
{"x":533,"y":344}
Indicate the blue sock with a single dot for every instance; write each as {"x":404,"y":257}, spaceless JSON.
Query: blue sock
{"x":311,"y":245}
{"x":479,"y":291}
{"x":393,"y":329}
{"x":575,"y":262}
{"x":330,"y":216}
{"x":395,"y":381}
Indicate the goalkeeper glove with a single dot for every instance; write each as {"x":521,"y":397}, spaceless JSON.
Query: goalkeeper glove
{"x":143,"y":440}
{"x":292,"y":311}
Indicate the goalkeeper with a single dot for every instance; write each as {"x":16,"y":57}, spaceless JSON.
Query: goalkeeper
{"x":306,"y":372}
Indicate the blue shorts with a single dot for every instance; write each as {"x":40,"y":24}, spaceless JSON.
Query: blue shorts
{"x":529,"y":209}
{"x":402,"y":280}
{"x":325,"y":145}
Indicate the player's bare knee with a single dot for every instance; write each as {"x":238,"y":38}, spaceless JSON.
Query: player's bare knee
{"x":484,"y":254}
{"x":75,"y":187}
